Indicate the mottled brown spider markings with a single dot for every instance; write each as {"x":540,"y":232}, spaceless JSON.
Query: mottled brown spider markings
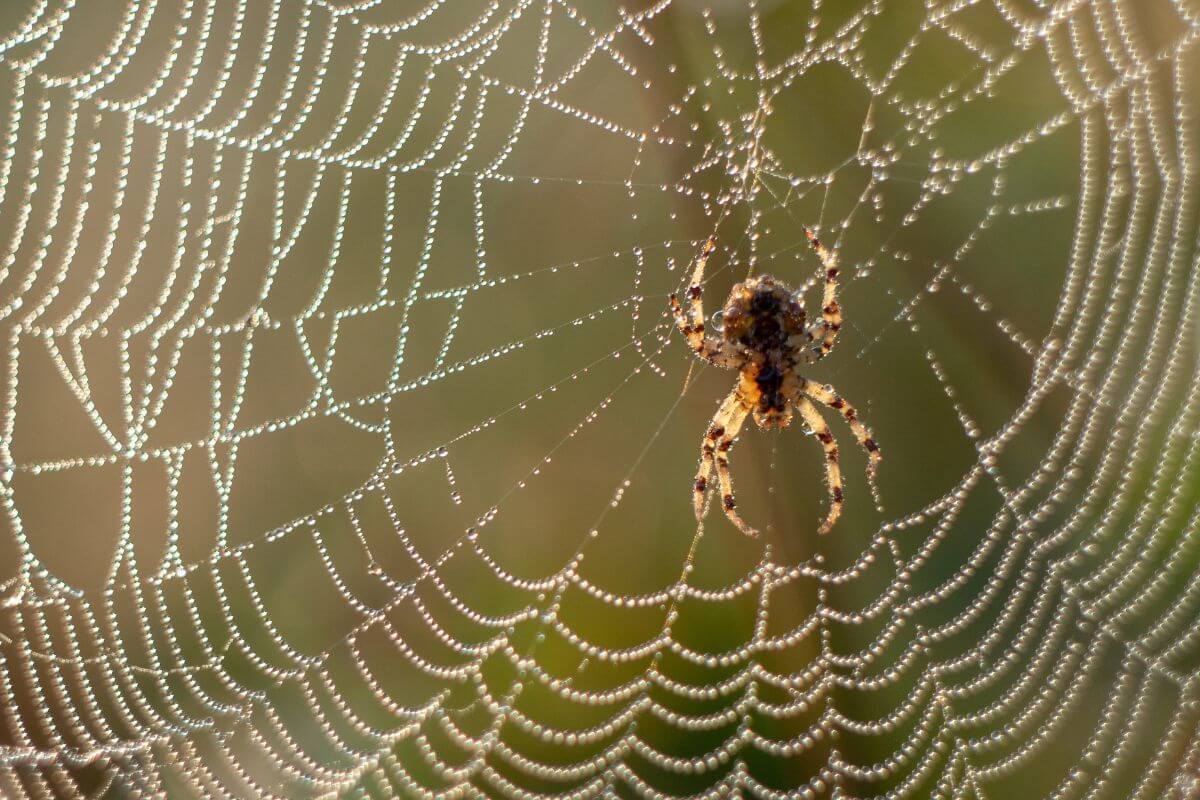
{"x":765,"y":335}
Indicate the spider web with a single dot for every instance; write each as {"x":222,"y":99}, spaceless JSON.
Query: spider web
{"x":346,"y":441}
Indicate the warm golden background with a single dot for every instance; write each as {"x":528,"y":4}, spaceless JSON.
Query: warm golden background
{"x":346,"y":445}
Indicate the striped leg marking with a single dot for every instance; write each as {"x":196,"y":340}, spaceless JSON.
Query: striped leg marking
{"x":691,"y":322}
{"x":715,"y":455}
{"x":826,"y":396}
{"x":831,"y":311}
{"x":833,"y":473}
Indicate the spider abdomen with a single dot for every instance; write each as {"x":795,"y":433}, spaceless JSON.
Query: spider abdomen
{"x":769,"y":381}
{"x":761,"y":315}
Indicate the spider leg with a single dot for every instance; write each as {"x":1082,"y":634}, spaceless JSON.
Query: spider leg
{"x":715,"y":454}
{"x":816,"y":423}
{"x":827,"y":396}
{"x":708,"y":449}
{"x":727,"y":501}
{"x":737,"y":416}
{"x":710,"y":348}
{"x":831,"y":311}
{"x":696,"y":289}
{"x":691,"y":322}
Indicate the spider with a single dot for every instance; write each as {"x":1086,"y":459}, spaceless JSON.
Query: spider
{"x":765,"y":336}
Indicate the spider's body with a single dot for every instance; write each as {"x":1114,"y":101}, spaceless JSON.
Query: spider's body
{"x":764,"y":323}
{"x":765,"y":335}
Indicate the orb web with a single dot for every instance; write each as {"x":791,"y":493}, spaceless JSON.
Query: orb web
{"x":346,"y":440}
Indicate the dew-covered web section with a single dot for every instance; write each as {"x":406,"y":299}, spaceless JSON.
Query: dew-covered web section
{"x":347,"y":439}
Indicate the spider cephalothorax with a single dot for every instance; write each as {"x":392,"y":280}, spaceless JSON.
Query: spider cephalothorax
{"x":765,"y":335}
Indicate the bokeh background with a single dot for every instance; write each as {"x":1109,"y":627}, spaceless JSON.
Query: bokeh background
{"x":348,"y":445}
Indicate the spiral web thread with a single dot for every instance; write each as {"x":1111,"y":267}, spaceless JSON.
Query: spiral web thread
{"x":1072,"y":616}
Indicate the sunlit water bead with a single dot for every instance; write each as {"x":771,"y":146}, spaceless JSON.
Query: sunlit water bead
{"x":620,"y":493}
{"x":455,"y":494}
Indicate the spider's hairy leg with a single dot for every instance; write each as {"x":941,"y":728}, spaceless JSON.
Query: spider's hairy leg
{"x":710,"y":348}
{"x":696,"y":288}
{"x":833,"y":473}
{"x":739,"y":410}
{"x":708,"y":448}
{"x":715,"y":453}
{"x":831,"y":311}
{"x":691,"y":322}
{"x":727,"y":501}
{"x":695,"y":316}
{"x":827,"y":396}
